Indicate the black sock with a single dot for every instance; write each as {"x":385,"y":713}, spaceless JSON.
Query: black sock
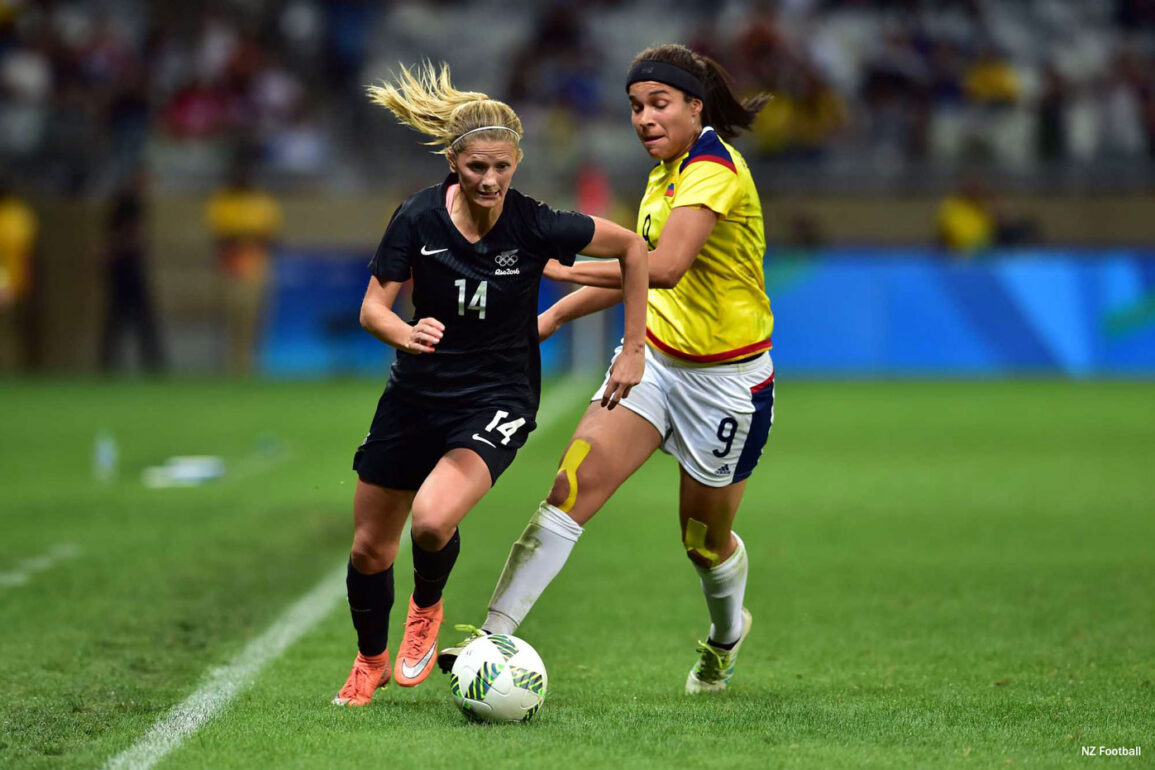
{"x":431,"y":570}
{"x":370,"y":599}
{"x":721,"y":646}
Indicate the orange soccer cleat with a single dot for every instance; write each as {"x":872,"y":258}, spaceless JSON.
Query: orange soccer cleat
{"x":369,"y":672}
{"x":418,"y":649}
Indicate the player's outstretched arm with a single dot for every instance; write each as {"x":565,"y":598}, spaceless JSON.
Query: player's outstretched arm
{"x":614,"y":241}
{"x":378,"y":318}
{"x":681,"y":241}
{"x":582,"y":302}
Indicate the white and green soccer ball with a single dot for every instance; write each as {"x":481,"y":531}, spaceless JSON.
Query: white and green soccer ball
{"x":498,"y":678}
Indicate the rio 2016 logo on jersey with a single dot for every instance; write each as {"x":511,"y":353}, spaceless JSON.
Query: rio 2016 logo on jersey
{"x":505,"y":263}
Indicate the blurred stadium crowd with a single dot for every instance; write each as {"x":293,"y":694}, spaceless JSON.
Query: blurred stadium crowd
{"x":186,"y":149}
{"x":897,"y":93}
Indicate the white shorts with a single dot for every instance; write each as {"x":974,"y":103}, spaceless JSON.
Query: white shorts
{"x":713,"y":418}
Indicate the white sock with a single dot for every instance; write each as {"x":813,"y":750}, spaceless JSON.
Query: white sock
{"x":535,"y":559}
{"x":725,"y":588}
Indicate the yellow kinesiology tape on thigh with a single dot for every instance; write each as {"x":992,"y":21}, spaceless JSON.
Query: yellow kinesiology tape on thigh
{"x":696,"y":540}
{"x":570,"y":463}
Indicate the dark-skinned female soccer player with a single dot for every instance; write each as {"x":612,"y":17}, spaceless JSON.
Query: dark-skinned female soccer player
{"x":707,"y":396}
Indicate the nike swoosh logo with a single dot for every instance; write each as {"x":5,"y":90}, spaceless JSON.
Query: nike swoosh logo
{"x":427,"y":251}
{"x":412,"y":671}
{"x":485,"y":440}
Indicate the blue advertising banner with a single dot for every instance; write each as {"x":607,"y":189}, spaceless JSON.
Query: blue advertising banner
{"x":887,"y":313}
{"x":838,"y":312}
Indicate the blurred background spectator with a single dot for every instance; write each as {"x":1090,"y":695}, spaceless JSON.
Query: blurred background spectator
{"x":18,"y":230}
{"x":244,"y":221}
{"x":130,"y":308}
{"x":971,"y":220}
{"x":967,"y":219}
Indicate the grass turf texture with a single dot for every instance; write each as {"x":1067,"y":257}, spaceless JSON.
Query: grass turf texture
{"x":946,"y":575}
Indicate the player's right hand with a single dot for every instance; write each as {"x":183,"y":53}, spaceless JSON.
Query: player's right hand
{"x":625,"y":372}
{"x":424,"y":336}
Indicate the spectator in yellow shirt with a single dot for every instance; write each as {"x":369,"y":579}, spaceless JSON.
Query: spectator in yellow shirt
{"x":244,"y":223}
{"x":992,"y":80}
{"x":967,"y":222}
{"x":18,"y":230}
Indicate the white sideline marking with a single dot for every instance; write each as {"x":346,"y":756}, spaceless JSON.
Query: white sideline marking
{"x":225,"y":683}
{"x":45,"y":561}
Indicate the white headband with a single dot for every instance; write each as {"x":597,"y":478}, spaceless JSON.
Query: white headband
{"x":485,"y":128}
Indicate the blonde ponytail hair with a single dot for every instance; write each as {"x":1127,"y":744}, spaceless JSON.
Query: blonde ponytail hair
{"x":424,"y":99}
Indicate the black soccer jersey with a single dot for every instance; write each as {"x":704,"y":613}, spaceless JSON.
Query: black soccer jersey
{"x":485,"y":293}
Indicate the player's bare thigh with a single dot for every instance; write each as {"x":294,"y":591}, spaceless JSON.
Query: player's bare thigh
{"x":706,"y":515}
{"x":379,"y":515}
{"x":607,"y":446}
{"x":456,"y":484}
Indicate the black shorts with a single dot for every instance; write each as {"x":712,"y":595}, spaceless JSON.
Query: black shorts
{"x":407,"y":438}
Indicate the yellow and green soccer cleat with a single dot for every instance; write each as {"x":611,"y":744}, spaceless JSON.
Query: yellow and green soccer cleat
{"x":715,"y":667}
{"x":448,"y":655}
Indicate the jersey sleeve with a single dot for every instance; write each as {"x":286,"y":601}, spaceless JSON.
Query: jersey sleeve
{"x":392,"y":260}
{"x":708,"y":183}
{"x":560,"y":234}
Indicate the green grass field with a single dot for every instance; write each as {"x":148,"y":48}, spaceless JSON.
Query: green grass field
{"x":943,"y":575}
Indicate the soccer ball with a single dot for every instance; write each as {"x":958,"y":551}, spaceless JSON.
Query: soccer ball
{"x":498,"y":678}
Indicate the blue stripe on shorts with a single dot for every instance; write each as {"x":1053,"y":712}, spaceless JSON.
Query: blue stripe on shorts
{"x":760,"y":425}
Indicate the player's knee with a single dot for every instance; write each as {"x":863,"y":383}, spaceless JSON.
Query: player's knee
{"x":703,"y":545}
{"x":369,"y":557}
{"x":573,"y":478}
{"x":569,"y":489}
{"x":431,"y":535}
{"x":700,"y":559}
{"x":560,"y":491}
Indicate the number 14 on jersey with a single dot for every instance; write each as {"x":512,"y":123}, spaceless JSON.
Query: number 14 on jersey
{"x":476,"y":304}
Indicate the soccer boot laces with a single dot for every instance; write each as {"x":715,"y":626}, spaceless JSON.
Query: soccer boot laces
{"x":419,"y":645}
{"x":368,"y":674}
{"x":715,"y":666}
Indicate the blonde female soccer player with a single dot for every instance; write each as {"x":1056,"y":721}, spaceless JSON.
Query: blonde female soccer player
{"x":707,"y":396}
{"x":464,"y":390}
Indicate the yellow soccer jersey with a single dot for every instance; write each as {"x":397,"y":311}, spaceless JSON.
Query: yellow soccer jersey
{"x":719,"y":311}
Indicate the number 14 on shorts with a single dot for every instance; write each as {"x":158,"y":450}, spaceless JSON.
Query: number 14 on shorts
{"x":506,"y":429}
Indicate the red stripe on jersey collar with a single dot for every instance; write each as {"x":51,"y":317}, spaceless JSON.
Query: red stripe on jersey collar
{"x":713,"y":159}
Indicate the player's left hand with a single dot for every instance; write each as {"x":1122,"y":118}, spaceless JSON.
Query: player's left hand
{"x":625,"y":372}
{"x":555,"y":271}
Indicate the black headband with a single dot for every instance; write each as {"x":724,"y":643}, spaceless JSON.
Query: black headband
{"x":662,"y":72}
